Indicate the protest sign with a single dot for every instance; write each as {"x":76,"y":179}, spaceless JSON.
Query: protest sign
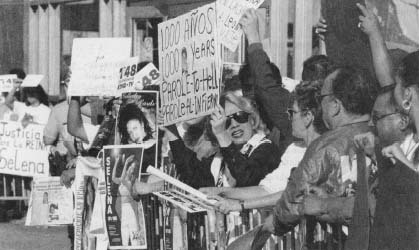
{"x":32,"y":80}
{"x":126,"y":75}
{"x":6,"y":82}
{"x":125,"y":222}
{"x":229,"y":13}
{"x":138,"y":113}
{"x":93,"y":65}
{"x":22,"y":151}
{"x":149,"y":75}
{"x":50,"y":204}
{"x":189,"y":61}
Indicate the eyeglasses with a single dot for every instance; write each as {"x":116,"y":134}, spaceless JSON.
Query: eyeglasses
{"x":291,"y":113}
{"x":375,"y":118}
{"x":240,"y":117}
{"x":319,"y":97}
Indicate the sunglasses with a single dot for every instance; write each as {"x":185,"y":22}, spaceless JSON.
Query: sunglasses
{"x":240,"y":117}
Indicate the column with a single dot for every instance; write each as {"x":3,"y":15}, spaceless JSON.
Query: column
{"x":33,"y":40}
{"x":123,"y":17}
{"x":303,"y":34}
{"x":105,"y":18}
{"x":43,"y":46}
{"x":116,"y":18}
{"x":279,"y":34}
{"x":54,"y":13}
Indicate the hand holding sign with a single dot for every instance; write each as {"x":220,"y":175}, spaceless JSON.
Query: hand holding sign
{"x":250,"y":26}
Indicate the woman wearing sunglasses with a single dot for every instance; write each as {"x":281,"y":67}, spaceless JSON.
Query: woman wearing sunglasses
{"x":307,"y":125}
{"x":241,"y":134}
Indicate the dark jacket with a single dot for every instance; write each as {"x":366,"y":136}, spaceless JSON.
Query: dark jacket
{"x":321,"y":167}
{"x":396,"y":222}
{"x":249,"y":170}
{"x":272,"y":98}
{"x":193,"y":172}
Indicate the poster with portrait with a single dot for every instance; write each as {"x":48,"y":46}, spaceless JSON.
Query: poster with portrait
{"x":190,"y":65}
{"x":50,"y":204}
{"x":136,"y":124}
{"x":124,"y":213}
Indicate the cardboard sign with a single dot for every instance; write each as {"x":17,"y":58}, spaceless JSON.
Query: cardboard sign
{"x":189,"y":61}
{"x":126,"y":75}
{"x":32,"y":80}
{"x":22,"y":151}
{"x":6,"y":82}
{"x":50,"y":204}
{"x":229,"y":13}
{"x":23,"y":162}
{"x":149,"y":75}
{"x":93,"y":65}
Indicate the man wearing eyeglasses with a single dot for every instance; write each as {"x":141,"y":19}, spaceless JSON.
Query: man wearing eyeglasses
{"x":325,"y":180}
{"x":395,"y":217}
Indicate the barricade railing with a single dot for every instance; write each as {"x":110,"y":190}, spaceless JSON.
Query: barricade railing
{"x":12,"y":187}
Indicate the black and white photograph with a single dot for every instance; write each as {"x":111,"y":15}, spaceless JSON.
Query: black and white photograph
{"x":209,"y":124}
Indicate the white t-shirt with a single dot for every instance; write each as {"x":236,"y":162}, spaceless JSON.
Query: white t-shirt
{"x":40,"y":114}
{"x":409,"y":146}
{"x":277,"y":180}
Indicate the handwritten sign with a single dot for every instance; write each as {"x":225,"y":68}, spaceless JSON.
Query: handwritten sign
{"x":22,"y":151}
{"x":149,"y":75}
{"x":190,"y":65}
{"x":32,"y":80}
{"x":229,"y":13}
{"x":93,"y":62}
{"x":6,"y":82}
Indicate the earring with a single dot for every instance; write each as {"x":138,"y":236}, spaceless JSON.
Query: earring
{"x":406,"y":105}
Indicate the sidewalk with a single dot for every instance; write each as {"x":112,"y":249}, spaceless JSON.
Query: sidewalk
{"x":15,"y":236}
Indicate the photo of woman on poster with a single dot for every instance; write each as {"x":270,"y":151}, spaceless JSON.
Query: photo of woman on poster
{"x":128,"y":215}
{"x":137,"y":124}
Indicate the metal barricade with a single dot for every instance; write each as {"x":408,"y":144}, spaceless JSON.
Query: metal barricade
{"x":12,"y":188}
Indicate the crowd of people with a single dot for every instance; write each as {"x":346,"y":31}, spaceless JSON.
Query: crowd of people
{"x":342,"y":147}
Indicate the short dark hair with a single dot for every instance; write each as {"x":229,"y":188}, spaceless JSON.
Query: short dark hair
{"x":19,"y":72}
{"x":356,"y":89}
{"x":195,"y":131}
{"x":132,"y":112}
{"x":409,"y":70}
{"x":316,"y":68}
{"x":305,"y":95}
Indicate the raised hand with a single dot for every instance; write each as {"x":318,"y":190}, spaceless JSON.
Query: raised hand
{"x":218,"y":121}
{"x":368,"y":22}
{"x":250,"y":26}
{"x":321,"y":28}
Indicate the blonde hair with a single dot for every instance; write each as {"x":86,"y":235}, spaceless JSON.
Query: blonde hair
{"x":248,"y":106}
